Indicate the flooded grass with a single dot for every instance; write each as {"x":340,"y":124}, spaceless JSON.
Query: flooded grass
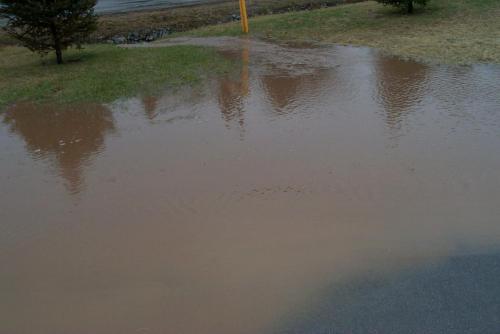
{"x":102,"y":73}
{"x":447,"y":31}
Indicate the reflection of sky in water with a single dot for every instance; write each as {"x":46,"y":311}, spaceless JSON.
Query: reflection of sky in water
{"x":308,"y":191}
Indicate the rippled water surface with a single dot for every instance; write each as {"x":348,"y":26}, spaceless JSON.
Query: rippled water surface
{"x":312,"y":190}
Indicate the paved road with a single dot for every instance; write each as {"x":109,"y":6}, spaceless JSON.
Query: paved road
{"x":104,"y":6}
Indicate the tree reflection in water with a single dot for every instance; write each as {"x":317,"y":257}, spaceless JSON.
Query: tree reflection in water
{"x":67,"y":136}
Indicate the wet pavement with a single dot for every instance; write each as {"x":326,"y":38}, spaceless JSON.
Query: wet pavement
{"x":114,"y":6}
{"x":312,"y":190}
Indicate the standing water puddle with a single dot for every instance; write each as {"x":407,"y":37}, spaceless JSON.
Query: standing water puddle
{"x":315,"y":190}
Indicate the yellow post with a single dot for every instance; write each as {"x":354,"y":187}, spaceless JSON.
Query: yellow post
{"x":244,"y":16}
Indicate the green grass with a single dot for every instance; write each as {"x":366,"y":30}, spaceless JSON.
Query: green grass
{"x":446,"y":31}
{"x":102,"y":73}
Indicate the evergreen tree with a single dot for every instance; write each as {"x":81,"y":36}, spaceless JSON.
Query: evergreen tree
{"x":49,"y":25}
{"x":408,"y":4}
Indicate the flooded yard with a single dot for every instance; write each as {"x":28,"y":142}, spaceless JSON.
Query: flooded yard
{"x":311,"y":190}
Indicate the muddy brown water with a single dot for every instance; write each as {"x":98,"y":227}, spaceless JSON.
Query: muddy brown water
{"x":313,"y":190}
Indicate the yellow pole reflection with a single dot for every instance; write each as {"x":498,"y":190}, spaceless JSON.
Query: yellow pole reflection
{"x":245,"y":57}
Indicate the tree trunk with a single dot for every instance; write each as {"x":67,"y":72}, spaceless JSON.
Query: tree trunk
{"x":59,"y":54}
{"x":410,"y":6}
{"x":57,"y":43}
